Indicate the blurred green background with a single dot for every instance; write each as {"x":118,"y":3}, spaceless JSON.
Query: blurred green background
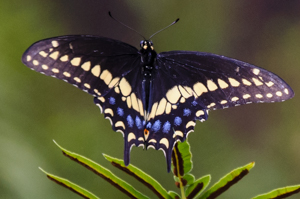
{"x":35,"y":109}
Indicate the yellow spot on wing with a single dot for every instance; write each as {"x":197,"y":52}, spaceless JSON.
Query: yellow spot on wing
{"x":87,"y":85}
{"x":234,"y":99}
{"x":76,"y":61}
{"x":43,"y":53}
{"x":177,"y":133}
{"x":173,"y":95}
{"x":77,"y":79}
{"x":109,"y":111}
{"x":161,"y":107}
{"x":190,"y":123}
{"x":141,"y":107}
{"x":258,"y":96}
{"x":153,"y":111}
{"x":279,"y":93}
{"x":128,"y":102}
{"x":113,"y":82}
{"x":199,"y":88}
{"x":199,"y":113}
{"x":165,"y":142}
{"x":64,"y":58}
{"x":246,"y":82}
{"x":35,"y":62}
{"x":255,"y":71}
{"x":184,"y":92}
{"x":125,"y":87}
{"x":286,"y":91}
{"x":131,"y":136}
{"x":222,"y":83}
{"x":211,"y":85}
{"x":28,"y":58}
{"x":55,"y":70}
{"x":269,"y":84}
{"x":233,"y":82}
{"x":257,"y":82}
{"x":134,"y":101}
{"x":54,"y":43}
{"x":86,"y":66}
{"x":120,"y":124}
{"x":152,"y":141}
{"x":246,"y":96}
{"x":106,"y":76}
{"x":45,"y":67}
{"x":54,"y":55}
{"x":168,"y":108}
{"x":223,"y":102}
{"x":269,"y":95}
{"x":96,"y":70}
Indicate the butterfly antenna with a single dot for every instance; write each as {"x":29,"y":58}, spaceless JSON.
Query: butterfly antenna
{"x":174,"y":22}
{"x":109,"y":13}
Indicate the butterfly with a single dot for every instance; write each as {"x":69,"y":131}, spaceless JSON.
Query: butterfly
{"x":153,"y":99}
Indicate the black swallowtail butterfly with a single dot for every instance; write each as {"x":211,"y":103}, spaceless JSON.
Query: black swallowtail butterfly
{"x":153,"y":99}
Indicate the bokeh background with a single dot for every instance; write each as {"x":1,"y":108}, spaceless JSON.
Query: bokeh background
{"x":35,"y":109}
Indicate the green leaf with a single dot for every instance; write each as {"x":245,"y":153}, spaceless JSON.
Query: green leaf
{"x":280,"y":193}
{"x":104,"y":173}
{"x":141,"y":176}
{"x":181,"y":159}
{"x":70,"y":185}
{"x":189,"y":178}
{"x":174,"y":195}
{"x":195,"y":189}
{"x":227,"y":181}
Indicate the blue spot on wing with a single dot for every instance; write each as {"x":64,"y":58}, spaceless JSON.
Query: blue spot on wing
{"x":148,"y":126}
{"x":120,"y":111}
{"x":186,"y":112}
{"x":166,"y":127}
{"x":130,"y":121}
{"x":112,"y":100}
{"x":194,"y":103}
{"x":177,"y":121}
{"x":156,"y":126}
{"x":138,"y":122}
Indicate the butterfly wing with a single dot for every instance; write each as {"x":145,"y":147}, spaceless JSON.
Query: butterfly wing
{"x":192,"y":83}
{"x":106,"y":68}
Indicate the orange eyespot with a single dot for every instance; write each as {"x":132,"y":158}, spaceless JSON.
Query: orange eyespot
{"x":146,"y":132}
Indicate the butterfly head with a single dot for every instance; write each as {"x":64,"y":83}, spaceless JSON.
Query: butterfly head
{"x":146,"y":45}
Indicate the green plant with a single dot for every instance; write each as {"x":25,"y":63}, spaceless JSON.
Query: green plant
{"x":181,"y":167}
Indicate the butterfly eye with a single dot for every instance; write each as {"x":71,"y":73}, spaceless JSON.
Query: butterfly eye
{"x":142,"y":43}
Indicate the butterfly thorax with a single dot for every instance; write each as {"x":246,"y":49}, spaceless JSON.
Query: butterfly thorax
{"x":148,"y":56}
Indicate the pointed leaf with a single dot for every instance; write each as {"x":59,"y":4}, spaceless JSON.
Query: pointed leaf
{"x":174,"y":195}
{"x":104,"y":173}
{"x":227,"y":181}
{"x":181,"y":159}
{"x":141,"y":176}
{"x":189,"y":179}
{"x":280,"y":193}
{"x":194,"y":190}
{"x":71,"y":186}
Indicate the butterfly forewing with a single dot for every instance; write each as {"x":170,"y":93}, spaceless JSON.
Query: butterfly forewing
{"x":221,"y":82}
{"x":87,"y":62}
